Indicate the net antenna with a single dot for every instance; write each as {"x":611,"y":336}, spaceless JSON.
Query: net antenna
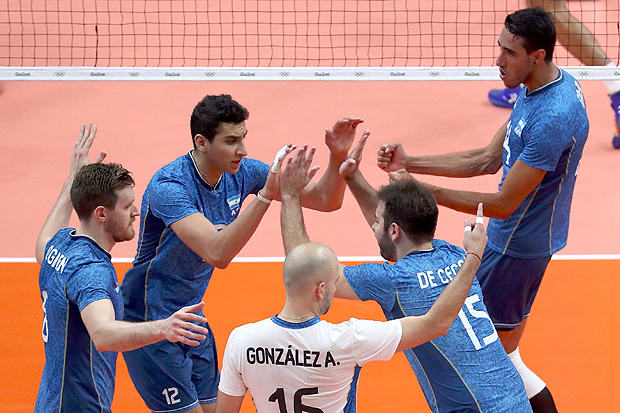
{"x":280,"y":40}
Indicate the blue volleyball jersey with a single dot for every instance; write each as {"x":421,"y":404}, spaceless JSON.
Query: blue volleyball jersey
{"x":75,"y":272}
{"x":547,"y":130}
{"x":166,"y":274}
{"x":465,"y":370}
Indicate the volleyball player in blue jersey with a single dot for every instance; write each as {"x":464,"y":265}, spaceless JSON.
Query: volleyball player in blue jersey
{"x":465,"y":370}
{"x":539,"y":149}
{"x":191,"y":223}
{"x":82,"y":304}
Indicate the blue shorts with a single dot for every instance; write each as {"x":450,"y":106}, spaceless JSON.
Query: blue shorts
{"x":509,"y":286}
{"x":173,"y":377}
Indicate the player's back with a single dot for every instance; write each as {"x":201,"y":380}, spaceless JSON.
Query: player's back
{"x":468,"y":367}
{"x":308,"y":366}
{"x":74,"y":273}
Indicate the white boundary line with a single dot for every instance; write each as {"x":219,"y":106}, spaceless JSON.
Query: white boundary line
{"x":577,"y":257}
{"x":279,"y":73}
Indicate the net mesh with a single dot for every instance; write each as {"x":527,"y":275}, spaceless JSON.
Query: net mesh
{"x":273,"y":33}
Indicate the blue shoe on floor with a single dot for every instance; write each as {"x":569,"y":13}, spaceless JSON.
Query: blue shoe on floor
{"x":615,"y":105}
{"x":504,"y":98}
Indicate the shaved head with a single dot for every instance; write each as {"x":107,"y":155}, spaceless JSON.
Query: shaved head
{"x":308,"y":264}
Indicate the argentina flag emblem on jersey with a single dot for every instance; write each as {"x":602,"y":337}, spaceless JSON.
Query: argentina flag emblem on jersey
{"x":233,"y":201}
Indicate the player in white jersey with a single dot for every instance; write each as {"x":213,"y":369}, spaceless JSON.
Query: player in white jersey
{"x":82,"y":303}
{"x":295,"y":362}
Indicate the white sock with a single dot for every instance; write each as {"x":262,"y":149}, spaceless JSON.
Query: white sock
{"x":613,"y":86}
{"x":533,"y":383}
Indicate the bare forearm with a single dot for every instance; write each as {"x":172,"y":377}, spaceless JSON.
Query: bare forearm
{"x":327,"y":194}
{"x":123,"y":336}
{"x":495,"y":206}
{"x":437,"y":322}
{"x":450,"y":301}
{"x":57,"y":219}
{"x":365,"y":195}
{"x":456,"y":165}
{"x":218,"y":248}
{"x":292,"y":223}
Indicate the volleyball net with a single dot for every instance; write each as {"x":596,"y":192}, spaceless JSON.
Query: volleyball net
{"x":276,"y":39}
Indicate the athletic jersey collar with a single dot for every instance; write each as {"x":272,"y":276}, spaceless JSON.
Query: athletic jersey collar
{"x":549,"y":85}
{"x":420,"y":252}
{"x":294,"y":326}
{"x":198,"y":172}
{"x":88,"y":239}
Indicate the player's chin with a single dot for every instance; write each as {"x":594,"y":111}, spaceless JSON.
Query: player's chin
{"x":234,"y":167}
{"x":126,"y":236}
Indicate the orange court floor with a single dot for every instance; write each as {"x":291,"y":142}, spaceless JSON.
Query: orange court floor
{"x":572,"y":340}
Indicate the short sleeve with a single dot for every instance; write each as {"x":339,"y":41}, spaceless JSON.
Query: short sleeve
{"x":375,"y":340}
{"x":256,"y":174}
{"x":89,"y":284}
{"x":231,"y":381}
{"x":373,"y":282}
{"x":170,"y":201}
{"x":545,"y":142}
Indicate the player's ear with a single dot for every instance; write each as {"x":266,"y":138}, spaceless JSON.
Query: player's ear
{"x":320,"y":290}
{"x":100,"y":214}
{"x":395,"y":231}
{"x":539,"y":56}
{"x":200,"y":142}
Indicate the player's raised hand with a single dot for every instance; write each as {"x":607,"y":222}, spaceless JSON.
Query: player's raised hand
{"x":475,"y":238}
{"x":298,"y":172}
{"x":350,"y":166}
{"x":391,"y":157}
{"x":179,"y":327}
{"x":339,"y":138}
{"x":79,"y":158}
{"x":400,"y":175}
{"x":271,"y":190}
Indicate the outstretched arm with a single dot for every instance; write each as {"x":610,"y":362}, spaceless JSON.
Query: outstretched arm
{"x":218,"y":248}
{"x":437,"y":322}
{"x":60,"y":214}
{"x":293,"y":180}
{"x":487,"y":160}
{"x":109,"y":334}
{"x":365,"y":195}
{"x":520,"y":181}
{"x":328,"y":193}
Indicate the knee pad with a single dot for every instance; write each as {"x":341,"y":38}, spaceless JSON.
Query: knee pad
{"x":533,"y":383}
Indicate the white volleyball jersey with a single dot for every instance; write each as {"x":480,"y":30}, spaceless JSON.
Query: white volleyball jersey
{"x":312,"y":365}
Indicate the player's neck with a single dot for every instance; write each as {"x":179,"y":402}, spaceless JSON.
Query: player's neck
{"x":209,"y":175}
{"x":543,"y":75}
{"x":297,"y":313}
{"x":407,"y":249}
{"x":97,"y":234}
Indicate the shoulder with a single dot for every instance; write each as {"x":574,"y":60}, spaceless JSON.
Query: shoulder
{"x":250,"y":329}
{"x":175,"y":170}
{"x":442,"y":245}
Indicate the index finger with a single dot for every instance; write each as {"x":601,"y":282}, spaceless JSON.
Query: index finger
{"x":286,"y":149}
{"x":480,"y":214}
